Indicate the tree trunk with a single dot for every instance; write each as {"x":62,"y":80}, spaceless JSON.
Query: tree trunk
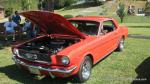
{"x":50,"y":5}
{"x":46,"y":5}
{"x":29,"y":5}
{"x":121,"y":18}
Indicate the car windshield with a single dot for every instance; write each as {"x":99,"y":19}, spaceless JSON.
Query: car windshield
{"x":87,"y":27}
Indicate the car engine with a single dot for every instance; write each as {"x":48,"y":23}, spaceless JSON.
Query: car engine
{"x":46,"y":46}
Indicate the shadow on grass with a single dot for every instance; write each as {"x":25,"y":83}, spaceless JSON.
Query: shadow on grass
{"x":9,"y":43}
{"x":14,"y":73}
{"x":143,"y":72}
{"x":4,"y":44}
{"x":139,"y":26}
{"x":138,"y":36}
{"x":1,"y":46}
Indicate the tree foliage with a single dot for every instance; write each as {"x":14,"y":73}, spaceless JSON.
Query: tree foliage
{"x":25,"y":4}
{"x":8,"y":12}
{"x":64,"y":3}
{"x":96,"y":2}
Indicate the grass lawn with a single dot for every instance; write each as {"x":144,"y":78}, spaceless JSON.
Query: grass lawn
{"x":118,"y":68}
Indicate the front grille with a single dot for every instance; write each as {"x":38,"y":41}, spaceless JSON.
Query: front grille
{"x":28,"y":55}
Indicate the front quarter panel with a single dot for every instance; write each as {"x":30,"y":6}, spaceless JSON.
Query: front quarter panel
{"x":78,"y":51}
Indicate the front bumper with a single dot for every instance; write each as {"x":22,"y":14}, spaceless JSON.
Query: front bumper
{"x":64,"y":71}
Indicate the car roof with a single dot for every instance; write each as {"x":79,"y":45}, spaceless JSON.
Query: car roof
{"x":91,"y":18}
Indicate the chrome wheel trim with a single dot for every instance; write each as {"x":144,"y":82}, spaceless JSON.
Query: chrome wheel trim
{"x":122,"y":44}
{"x":86,"y":70}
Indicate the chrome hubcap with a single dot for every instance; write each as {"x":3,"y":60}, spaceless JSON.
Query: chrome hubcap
{"x":86,"y":70}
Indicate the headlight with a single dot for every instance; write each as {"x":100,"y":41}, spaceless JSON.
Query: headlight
{"x":15,"y":51}
{"x":65,"y":60}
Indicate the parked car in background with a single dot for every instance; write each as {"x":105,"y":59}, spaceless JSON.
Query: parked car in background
{"x":68,"y":47}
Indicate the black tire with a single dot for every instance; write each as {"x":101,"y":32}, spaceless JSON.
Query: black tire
{"x":85,"y":65}
{"x":120,"y":45}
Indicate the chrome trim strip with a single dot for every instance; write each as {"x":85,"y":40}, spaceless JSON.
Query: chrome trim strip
{"x":44,"y":69}
{"x":34,"y":61}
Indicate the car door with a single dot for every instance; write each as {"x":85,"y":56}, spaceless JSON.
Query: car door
{"x":110,"y":34}
{"x":107,"y":38}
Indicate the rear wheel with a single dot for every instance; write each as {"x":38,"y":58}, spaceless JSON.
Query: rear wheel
{"x":121,"y":45}
{"x":85,"y":70}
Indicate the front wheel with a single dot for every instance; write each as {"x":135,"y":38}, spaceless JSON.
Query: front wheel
{"x":85,"y":70}
{"x":121,"y":45}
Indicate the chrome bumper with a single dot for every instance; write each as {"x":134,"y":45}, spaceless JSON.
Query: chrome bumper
{"x":17,"y":61}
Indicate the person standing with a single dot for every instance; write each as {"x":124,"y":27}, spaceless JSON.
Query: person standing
{"x":33,"y":31}
{"x":16,"y":18}
{"x":26,"y":28}
{"x":9,"y":28}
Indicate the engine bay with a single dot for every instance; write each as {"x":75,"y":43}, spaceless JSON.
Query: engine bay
{"x":47,"y":45}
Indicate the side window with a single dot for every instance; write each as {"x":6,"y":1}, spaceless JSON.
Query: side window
{"x":108,"y":26}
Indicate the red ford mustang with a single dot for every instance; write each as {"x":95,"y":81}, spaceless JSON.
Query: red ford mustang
{"x":70,"y":47}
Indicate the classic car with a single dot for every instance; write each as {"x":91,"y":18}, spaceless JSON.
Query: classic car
{"x":69,"y":47}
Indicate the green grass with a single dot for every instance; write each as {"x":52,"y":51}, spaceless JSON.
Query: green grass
{"x":95,"y":11}
{"x":134,"y":19}
{"x":118,"y":68}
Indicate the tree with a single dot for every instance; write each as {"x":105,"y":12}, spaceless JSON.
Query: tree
{"x":96,"y":2}
{"x":121,"y":11}
{"x":8,"y":12}
{"x":25,"y":5}
{"x":50,"y":5}
{"x":46,"y":5}
{"x":63,"y":3}
{"x":147,"y":9}
{"x":69,"y":2}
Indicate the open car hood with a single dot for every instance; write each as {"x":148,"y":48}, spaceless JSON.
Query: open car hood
{"x":51,"y":23}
